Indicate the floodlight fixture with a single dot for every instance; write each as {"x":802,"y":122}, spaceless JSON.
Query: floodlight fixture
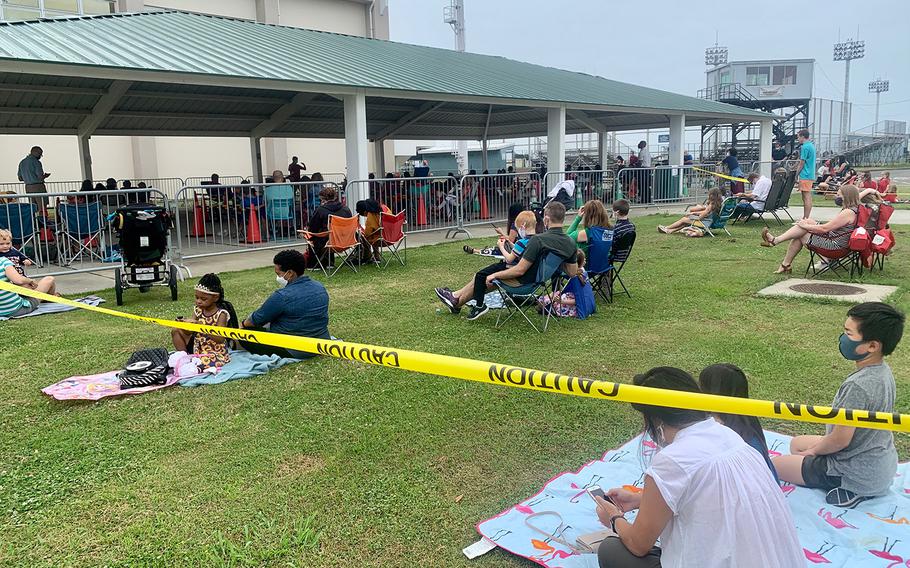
{"x":716,"y":55}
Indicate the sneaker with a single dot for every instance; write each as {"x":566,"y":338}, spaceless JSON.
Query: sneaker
{"x":844,"y":499}
{"x":448,"y":298}
{"x":477,"y":311}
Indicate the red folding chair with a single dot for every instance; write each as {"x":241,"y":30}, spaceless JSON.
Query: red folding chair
{"x":883,"y":239}
{"x":392,"y":237}
{"x":846,"y":258}
{"x":343,"y":241}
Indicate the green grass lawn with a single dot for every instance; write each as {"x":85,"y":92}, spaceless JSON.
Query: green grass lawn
{"x":334,"y":463}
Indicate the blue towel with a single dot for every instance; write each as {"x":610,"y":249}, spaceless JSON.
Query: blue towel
{"x":242,"y":366}
{"x":873,"y":535}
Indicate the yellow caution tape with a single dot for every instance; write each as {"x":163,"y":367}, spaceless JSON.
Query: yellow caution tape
{"x":520,"y":377}
{"x":725,"y":176}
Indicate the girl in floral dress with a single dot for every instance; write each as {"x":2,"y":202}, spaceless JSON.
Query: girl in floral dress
{"x":210,"y":309}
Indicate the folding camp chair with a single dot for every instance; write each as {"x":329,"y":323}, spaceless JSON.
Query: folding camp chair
{"x":279,"y":209}
{"x":80,"y":231}
{"x":393,"y":237}
{"x":622,"y":249}
{"x":600,"y":270}
{"x":719,"y":219}
{"x":343,"y":240}
{"x":846,"y":258}
{"x":519,"y":299}
{"x":19,"y":219}
{"x":783,"y":200}
{"x":880,"y":251}
{"x":777,"y":185}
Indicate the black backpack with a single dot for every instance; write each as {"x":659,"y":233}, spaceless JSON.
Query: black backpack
{"x":144,"y":368}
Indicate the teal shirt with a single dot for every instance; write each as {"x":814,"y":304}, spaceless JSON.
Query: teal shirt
{"x":10,"y":302}
{"x":807,"y":155}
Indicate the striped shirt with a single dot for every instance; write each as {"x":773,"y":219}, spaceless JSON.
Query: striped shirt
{"x":518,"y":248}
{"x":620,"y":228}
{"x":10,"y":302}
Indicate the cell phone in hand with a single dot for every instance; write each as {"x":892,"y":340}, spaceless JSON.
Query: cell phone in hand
{"x":497,"y":229}
{"x":597,"y":493}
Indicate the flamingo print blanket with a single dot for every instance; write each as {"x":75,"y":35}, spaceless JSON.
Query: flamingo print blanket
{"x":876,"y":534}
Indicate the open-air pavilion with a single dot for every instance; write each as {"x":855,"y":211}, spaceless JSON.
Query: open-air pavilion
{"x":174,"y":73}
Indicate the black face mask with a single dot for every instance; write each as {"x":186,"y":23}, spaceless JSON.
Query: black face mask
{"x":839,"y":201}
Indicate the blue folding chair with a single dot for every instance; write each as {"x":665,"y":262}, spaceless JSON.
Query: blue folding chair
{"x":599,"y":267}
{"x":517,"y":299}
{"x":80,"y":231}
{"x":279,"y":208}
{"x":19,"y":219}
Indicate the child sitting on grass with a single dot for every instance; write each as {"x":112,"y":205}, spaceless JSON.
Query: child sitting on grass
{"x":18,"y":259}
{"x":210,"y":309}
{"x":577,"y":298}
{"x":725,"y":379}
{"x":854,"y":464}
{"x":693,"y":224}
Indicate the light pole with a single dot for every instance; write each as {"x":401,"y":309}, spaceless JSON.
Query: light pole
{"x":453,"y":14}
{"x":847,"y":51}
{"x":878,"y":87}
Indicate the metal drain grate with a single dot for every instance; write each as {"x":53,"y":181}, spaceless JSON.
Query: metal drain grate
{"x":828,"y":289}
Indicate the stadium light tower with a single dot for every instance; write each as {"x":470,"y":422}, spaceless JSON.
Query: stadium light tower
{"x":714,"y":56}
{"x":878,"y":87}
{"x":847,"y":51}
{"x":453,"y":14}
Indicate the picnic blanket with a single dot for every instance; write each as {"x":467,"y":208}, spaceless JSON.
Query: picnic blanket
{"x":243,"y":365}
{"x":95,"y":387}
{"x":492,"y":300}
{"x":54,"y":308}
{"x":875,"y":534}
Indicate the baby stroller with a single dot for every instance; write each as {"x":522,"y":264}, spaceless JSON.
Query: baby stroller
{"x":143,"y":233}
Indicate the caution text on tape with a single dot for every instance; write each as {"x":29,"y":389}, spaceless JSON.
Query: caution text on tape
{"x":519,"y":377}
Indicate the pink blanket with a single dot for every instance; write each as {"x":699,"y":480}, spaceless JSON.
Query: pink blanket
{"x":94,"y":387}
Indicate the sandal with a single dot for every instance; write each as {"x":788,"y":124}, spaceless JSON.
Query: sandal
{"x":662,"y":229}
{"x":784,"y":269}
{"x":766,"y":239}
{"x":469,"y":250}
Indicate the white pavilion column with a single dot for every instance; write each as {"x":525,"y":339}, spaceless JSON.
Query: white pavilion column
{"x":556,"y":142}
{"x":677,"y":138}
{"x":85,"y":157}
{"x":603,"y":141}
{"x":356,"y":145}
{"x":379,"y":158}
{"x":765,"y":141}
{"x":256,"y":159}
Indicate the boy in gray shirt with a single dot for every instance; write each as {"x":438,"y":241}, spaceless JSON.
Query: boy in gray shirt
{"x":854,"y":464}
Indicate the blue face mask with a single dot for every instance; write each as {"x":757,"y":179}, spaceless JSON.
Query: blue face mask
{"x":848,"y":348}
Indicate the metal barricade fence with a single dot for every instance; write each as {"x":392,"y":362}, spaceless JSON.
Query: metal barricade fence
{"x":750,"y":167}
{"x":665,"y":185}
{"x":215,"y":220}
{"x":334,"y":177}
{"x":167,"y":185}
{"x":589,"y":184}
{"x":194,"y":181}
{"x":486,"y":198}
{"x":431,"y":202}
{"x":69,"y":232}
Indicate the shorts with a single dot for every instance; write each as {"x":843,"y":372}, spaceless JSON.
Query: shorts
{"x":815,"y":473}
{"x":805,"y":185}
{"x":24,"y":310}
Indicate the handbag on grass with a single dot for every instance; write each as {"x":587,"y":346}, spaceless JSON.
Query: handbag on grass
{"x":144,"y":368}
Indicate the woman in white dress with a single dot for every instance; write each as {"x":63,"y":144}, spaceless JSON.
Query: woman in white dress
{"x":708,"y":496}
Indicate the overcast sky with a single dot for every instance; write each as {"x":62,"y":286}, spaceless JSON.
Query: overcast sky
{"x":660,"y":43}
